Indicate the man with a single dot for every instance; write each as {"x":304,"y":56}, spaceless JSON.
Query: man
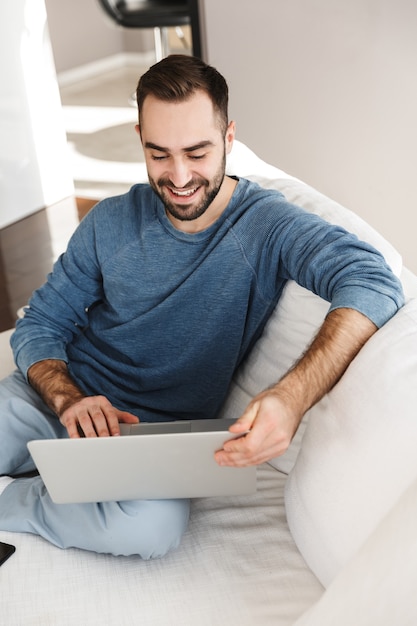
{"x":160,"y":296}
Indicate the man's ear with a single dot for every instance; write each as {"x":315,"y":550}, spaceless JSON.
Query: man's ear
{"x":230,"y":136}
{"x":137,"y":129}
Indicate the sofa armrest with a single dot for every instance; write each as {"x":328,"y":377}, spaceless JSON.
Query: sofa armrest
{"x":409,"y":282}
{"x":359,"y":450}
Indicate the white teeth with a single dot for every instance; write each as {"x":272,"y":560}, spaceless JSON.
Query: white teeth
{"x":188,"y":192}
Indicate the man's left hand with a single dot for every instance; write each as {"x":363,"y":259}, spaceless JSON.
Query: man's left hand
{"x":270,"y":425}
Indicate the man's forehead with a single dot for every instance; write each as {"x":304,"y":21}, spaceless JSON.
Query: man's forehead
{"x":173,"y":126}
{"x":198,"y":104}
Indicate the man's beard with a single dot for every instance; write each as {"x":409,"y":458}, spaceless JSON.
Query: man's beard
{"x":189,"y":212}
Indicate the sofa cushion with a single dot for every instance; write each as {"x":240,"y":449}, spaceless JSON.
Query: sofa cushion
{"x":359,"y":449}
{"x":299,"y":313}
{"x":242,"y":161}
{"x":377,"y":586}
{"x":6,"y":357}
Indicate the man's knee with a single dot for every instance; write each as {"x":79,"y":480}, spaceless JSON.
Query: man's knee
{"x":151,"y":528}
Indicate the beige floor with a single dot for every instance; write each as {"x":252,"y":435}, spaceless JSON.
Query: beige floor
{"x":105,"y":152}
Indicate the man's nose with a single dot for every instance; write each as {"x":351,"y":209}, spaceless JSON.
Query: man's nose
{"x":180,"y":173}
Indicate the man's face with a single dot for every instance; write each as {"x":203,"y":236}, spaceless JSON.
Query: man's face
{"x":185,"y":152}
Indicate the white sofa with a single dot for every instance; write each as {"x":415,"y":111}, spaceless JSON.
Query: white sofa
{"x":330,"y":537}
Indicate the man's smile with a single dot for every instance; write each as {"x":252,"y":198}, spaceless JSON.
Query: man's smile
{"x":186,"y":193}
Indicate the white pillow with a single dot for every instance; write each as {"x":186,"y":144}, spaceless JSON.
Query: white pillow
{"x":359,"y":450}
{"x":299,"y":313}
{"x":242,"y":161}
{"x":6,"y":356}
{"x":378,"y":585}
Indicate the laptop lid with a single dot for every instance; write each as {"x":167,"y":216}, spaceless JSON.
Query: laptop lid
{"x":148,"y":461}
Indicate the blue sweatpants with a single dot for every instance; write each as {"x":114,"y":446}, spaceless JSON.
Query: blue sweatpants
{"x":149,"y":528}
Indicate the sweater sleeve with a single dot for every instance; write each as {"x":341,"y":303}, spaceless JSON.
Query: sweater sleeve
{"x":345,"y":271}
{"x":322,"y":257}
{"x":58,"y":310}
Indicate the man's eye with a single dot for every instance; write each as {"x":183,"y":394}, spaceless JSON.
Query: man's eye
{"x":197,"y":157}
{"x":154,"y":157}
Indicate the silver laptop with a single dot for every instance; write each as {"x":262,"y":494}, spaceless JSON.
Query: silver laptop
{"x":149,"y":461}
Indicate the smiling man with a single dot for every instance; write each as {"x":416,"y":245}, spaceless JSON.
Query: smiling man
{"x":159,"y":298}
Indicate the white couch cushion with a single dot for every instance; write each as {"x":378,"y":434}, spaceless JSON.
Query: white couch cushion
{"x":377,"y":586}
{"x":359,"y":449}
{"x":299,"y":313}
{"x":242,"y":161}
{"x":6,"y":357}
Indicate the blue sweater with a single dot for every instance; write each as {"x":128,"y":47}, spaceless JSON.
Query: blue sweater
{"x":158,"y":320}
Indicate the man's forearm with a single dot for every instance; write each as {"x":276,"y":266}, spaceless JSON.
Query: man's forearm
{"x":50,"y":378}
{"x":338,"y":341}
{"x":273,"y":416}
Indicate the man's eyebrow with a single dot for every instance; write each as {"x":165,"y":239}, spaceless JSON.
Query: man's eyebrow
{"x":198,"y":146}
{"x":153,"y":146}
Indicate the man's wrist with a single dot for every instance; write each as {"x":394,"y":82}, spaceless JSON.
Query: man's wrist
{"x":291,"y":390}
{"x":52,"y":381}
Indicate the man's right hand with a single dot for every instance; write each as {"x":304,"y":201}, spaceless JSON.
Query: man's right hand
{"x":94,"y":416}
{"x":88,"y":416}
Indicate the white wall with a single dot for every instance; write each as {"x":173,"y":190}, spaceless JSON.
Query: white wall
{"x":327,"y":90}
{"x":82,"y":33}
{"x":34,"y":168}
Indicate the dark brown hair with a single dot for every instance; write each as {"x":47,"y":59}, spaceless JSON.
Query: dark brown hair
{"x":177,"y":77}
